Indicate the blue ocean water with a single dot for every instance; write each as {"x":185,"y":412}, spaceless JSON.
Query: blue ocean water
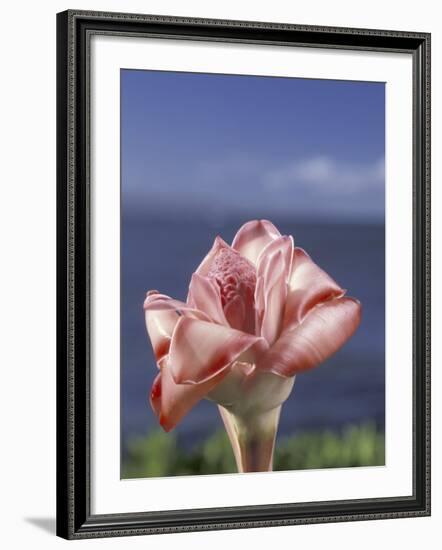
{"x":349,"y":388}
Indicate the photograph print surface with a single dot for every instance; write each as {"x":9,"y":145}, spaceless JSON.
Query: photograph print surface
{"x":252,"y":274}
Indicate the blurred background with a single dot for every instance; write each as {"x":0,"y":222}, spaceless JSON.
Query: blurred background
{"x":202,"y":154}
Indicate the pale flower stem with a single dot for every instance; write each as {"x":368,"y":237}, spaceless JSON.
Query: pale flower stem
{"x":252,"y":438}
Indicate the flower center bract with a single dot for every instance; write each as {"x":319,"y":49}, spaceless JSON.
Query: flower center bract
{"x":236,"y":279}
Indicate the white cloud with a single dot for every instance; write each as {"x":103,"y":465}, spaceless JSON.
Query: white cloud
{"x":243,"y":184}
{"x":325,"y":175}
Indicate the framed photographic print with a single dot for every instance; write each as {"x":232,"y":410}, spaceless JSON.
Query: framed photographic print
{"x":243,"y":274}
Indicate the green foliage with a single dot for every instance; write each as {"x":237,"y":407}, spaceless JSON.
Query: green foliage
{"x":158,"y":454}
{"x":355,"y":446}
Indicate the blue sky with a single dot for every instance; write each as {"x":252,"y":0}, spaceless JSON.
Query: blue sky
{"x":220,"y":146}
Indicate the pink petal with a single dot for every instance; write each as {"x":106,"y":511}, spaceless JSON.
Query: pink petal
{"x":283,"y":244}
{"x":253,"y":236}
{"x":200,"y":350}
{"x":274,"y":265}
{"x":309,"y":286}
{"x":162,"y":314}
{"x":235,"y":312}
{"x":161,"y":302}
{"x":231,"y":391}
{"x":171,"y":401}
{"x":204,"y":295}
{"x":325,"y":329}
{"x":259,"y":304}
{"x":205,"y":265}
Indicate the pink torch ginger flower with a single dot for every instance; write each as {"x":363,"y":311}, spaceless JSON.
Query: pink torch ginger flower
{"x":257,"y":313}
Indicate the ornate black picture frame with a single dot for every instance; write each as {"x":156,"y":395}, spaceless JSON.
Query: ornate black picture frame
{"x":74,"y":31}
